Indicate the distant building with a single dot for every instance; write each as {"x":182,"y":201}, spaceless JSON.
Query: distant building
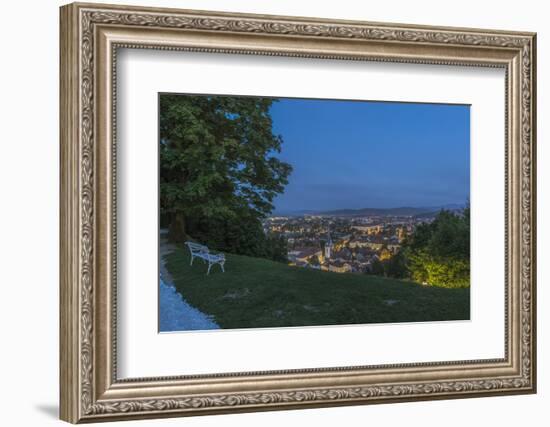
{"x":328,"y":246}
{"x":385,"y":254}
{"x":394,"y":248}
{"x":303,"y":255}
{"x":369,"y":229}
{"x":340,"y":267}
{"x":367,"y":242}
{"x":400,"y":233}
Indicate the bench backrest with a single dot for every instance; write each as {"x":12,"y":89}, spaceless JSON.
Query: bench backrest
{"x":195,"y":247}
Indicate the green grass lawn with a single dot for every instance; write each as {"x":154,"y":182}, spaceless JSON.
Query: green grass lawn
{"x":255,"y":292}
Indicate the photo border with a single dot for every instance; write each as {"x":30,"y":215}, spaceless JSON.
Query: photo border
{"x":90,"y":36}
{"x":160,"y":94}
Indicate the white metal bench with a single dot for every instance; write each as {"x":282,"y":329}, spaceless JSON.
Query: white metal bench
{"x":196,"y":250}
{"x":214,"y":259}
{"x":200,"y":251}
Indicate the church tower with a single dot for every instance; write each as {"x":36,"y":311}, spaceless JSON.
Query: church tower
{"x":328,"y":246}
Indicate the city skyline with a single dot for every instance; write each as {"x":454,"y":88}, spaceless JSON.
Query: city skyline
{"x":372,"y":154}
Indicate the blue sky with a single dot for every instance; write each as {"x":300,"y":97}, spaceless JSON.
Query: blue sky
{"x":355,"y":154}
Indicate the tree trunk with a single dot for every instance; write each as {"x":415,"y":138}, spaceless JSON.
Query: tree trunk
{"x":176,"y":231}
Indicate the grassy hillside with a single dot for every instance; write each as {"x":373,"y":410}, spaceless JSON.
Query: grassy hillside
{"x":255,"y":292}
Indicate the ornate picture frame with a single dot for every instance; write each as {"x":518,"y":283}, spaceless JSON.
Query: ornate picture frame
{"x":90,"y":37}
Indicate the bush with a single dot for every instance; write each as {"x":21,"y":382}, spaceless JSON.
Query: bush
{"x":439,"y":253}
{"x":396,"y":266}
{"x":439,"y":271}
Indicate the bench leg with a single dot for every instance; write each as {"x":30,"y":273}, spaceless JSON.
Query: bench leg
{"x":192,"y":257}
{"x":209,"y":266}
{"x":221,"y":265}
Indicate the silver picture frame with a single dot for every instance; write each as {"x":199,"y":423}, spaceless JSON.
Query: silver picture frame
{"x":90,"y":37}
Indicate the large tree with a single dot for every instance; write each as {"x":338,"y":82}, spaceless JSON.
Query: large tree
{"x":218,"y":162}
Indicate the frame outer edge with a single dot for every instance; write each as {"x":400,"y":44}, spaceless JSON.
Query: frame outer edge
{"x":534,"y":270}
{"x":69,"y":355}
{"x":77,"y":339}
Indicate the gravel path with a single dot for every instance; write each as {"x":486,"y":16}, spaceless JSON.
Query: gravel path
{"x":175,"y":313}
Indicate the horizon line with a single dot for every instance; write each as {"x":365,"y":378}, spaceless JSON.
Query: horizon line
{"x":373,"y":207}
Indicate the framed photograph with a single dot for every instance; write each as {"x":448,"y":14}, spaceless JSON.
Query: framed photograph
{"x":265,"y":212}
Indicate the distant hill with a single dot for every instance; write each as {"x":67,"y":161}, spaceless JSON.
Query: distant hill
{"x":431,"y":214}
{"x":426,"y":211}
{"x":400,"y":211}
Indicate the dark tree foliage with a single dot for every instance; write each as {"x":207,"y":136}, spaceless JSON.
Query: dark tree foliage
{"x":396,"y":266}
{"x":377,"y":267}
{"x":219,"y":172}
{"x":439,"y":253}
